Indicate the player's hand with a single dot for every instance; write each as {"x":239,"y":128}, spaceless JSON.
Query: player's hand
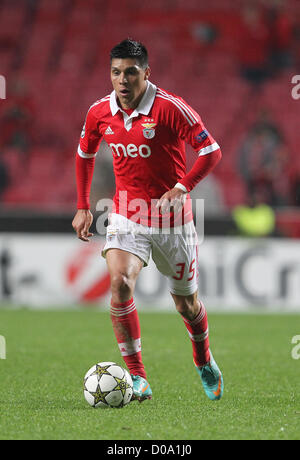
{"x":172,"y":201}
{"x":81,"y":223}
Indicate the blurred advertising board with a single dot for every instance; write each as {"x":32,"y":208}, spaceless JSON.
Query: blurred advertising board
{"x":235,"y":274}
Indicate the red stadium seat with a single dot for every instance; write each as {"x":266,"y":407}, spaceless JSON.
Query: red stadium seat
{"x":65,"y":62}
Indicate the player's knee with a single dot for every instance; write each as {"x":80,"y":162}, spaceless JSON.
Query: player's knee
{"x":122,"y":287}
{"x":184,"y":307}
{"x":187,"y":306}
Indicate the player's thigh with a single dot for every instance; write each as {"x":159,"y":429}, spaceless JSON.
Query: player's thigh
{"x":124,"y":264}
{"x":128,"y":239}
{"x":176,"y":256}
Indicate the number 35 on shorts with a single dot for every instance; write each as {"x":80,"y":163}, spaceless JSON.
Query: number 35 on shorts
{"x":181,"y":270}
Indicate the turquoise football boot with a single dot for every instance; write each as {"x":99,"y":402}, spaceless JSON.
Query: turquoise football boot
{"x":141,"y":388}
{"x":212,"y":379}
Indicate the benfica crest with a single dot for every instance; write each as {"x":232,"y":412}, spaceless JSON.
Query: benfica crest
{"x":149,"y":131}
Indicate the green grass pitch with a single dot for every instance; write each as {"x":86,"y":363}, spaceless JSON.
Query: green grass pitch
{"x":48,"y":353}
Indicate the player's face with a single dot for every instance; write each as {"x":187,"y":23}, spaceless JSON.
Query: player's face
{"x":129,"y":81}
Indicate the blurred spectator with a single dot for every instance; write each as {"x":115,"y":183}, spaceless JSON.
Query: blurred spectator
{"x":264,"y":163}
{"x":203,"y":33}
{"x":281,"y":35}
{"x":4,"y":178}
{"x":296,"y":42}
{"x":17,"y":118}
{"x":255,"y":219}
{"x":253,"y":44}
{"x":296,"y":190}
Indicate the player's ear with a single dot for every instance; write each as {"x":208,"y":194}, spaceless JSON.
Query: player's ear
{"x":147,"y":73}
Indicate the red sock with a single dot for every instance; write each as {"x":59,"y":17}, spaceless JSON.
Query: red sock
{"x":198,"y":332}
{"x":127,"y":330}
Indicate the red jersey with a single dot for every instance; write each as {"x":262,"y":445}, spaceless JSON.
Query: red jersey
{"x":148,"y":149}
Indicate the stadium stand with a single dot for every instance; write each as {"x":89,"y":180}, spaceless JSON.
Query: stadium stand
{"x":57,"y":52}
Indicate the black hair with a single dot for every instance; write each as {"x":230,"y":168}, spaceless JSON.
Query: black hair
{"x":130,"y":49}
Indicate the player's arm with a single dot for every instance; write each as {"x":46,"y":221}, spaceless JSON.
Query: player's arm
{"x":189,"y":126}
{"x":204,"y":165}
{"x":85,"y":163}
{"x":192,"y":130}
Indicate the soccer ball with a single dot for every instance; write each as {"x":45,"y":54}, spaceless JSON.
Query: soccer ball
{"x":107,"y":385}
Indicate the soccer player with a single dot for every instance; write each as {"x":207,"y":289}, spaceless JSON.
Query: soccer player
{"x":146,"y":128}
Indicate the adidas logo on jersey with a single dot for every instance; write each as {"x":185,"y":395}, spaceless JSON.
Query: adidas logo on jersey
{"x":109,"y":131}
